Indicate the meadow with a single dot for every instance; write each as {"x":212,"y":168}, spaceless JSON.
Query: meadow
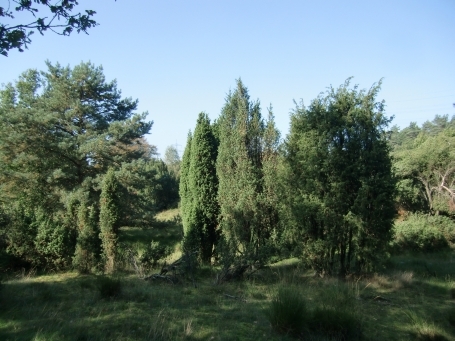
{"x":412,"y":298}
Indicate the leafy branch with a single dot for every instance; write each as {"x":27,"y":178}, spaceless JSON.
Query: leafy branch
{"x":59,"y":20}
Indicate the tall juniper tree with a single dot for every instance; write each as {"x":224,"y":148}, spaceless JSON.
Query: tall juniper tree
{"x":184,"y":187}
{"x":201,"y":211}
{"x":109,"y":218}
{"x":246,"y":162}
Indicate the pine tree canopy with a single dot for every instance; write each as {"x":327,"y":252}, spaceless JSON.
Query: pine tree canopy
{"x":61,"y":126}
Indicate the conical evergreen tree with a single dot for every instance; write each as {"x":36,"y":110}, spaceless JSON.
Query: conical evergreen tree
{"x":184,"y":187}
{"x":109,"y":218}
{"x":246,"y":155}
{"x":88,"y":244}
{"x":203,"y":185}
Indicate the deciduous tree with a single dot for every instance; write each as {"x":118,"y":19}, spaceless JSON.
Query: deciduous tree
{"x":55,"y":16}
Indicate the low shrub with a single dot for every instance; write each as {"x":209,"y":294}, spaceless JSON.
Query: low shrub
{"x":108,"y":287}
{"x":288,"y":312}
{"x":153,"y":254}
{"x":423,"y":233}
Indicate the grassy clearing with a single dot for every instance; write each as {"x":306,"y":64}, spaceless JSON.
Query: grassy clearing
{"x":414,"y":299}
{"x":167,"y":230}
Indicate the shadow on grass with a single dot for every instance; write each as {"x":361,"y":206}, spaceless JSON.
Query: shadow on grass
{"x":69,"y":307}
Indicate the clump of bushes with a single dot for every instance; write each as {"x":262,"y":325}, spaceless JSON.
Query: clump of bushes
{"x":153,"y":254}
{"x":335,"y":317}
{"x":423,"y":233}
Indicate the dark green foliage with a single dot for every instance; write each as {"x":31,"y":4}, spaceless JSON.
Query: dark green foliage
{"x":198,"y":190}
{"x":109,"y":219}
{"x":60,"y":131}
{"x":423,"y":233}
{"x":139,"y":186}
{"x":108,"y":287}
{"x":18,"y":35}
{"x":288,"y":313}
{"x":153,"y":254}
{"x":168,"y":178}
{"x":201,"y":213}
{"x":237,"y":265}
{"x":20,"y":234}
{"x":57,"y":131}
{"x":246,"y":168}
{"x":167,"y":186}
{"x":409,"y":195}
{"x":451,"y":315}
{"x":340,"y":187}
{"x":38,"y":238}
{"x":88,"y":247}
{"x":54,"y":241}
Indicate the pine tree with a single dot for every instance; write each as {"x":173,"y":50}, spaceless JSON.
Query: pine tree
{"x":109,"y":219}
{"x":59,"y":127}
{"x":60,"y":131}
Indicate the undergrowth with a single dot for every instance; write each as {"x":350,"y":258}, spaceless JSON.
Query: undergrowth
{"x":282,"y":302}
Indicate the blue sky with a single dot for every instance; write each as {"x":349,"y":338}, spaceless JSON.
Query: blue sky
{"x":181,"y":57}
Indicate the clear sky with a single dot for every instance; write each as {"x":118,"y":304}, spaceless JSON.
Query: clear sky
{"x":181,"y":57}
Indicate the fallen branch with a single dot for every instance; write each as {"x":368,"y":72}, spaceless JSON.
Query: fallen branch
{"x":175,"y":271}
{"x":158,"y":276}
{"x":235,"y":297}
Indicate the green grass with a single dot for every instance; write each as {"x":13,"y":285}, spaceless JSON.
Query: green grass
{"x":412,"y":299}
{"x":165,"y":230}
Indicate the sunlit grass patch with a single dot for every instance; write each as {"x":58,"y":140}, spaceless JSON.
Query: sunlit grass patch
{"x":168,"y":215}
{"x":427,"y":330}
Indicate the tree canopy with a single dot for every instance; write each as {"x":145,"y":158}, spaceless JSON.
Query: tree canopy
{"x":424,"y":162}
{"x":55,"y":16}
{"x":59,"y":127}
{"x":61,"y":130}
